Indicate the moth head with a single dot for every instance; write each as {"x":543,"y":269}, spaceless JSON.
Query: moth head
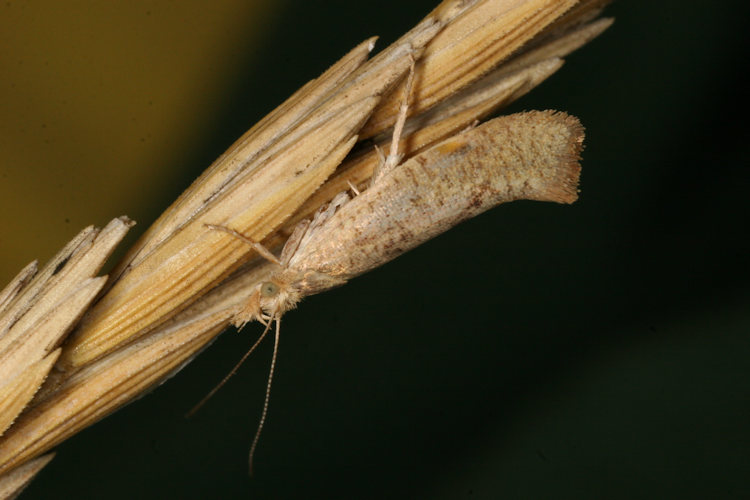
{"x":276,"y":296}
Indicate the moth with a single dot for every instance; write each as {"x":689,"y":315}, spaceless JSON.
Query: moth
{"x":525,"y":156}
{"x":530,"y":156}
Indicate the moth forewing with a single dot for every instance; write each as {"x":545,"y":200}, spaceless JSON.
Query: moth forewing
{"x":530,"y":156}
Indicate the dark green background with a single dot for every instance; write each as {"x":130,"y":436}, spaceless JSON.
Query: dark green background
{"x":539,"y":351}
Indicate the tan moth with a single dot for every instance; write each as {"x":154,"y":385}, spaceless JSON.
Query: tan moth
{"x":530,"y":156}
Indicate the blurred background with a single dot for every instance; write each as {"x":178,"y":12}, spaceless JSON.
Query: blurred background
{"x":599,"y":350}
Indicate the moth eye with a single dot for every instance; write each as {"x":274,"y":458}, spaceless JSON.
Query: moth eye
{"x":269,"y":289}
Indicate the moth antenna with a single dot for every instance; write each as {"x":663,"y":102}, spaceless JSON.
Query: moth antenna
{"x":353,"y":187}
{"x":263,"y":251}
{"x":229,"y":375}
{"x":268,"y":394}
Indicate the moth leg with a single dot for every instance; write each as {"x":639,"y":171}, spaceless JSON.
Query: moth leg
{"x":393,"y":159}
{"x":353,"y":188}
{"x":263,"y":251}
